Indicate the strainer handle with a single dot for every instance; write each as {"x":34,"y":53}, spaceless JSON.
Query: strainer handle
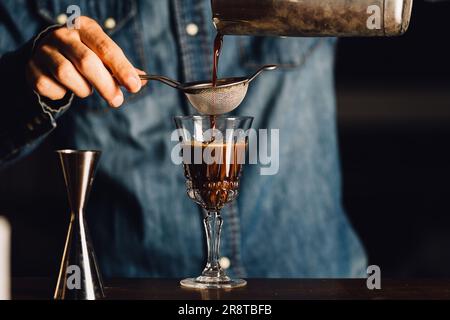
{"x":165,"y":80}
{"x":263,"y":68}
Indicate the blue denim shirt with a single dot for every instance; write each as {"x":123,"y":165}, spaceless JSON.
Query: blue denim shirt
{"x":288,"y":225}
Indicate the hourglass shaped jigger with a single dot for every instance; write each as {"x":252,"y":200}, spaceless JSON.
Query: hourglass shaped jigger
{"x":79,"y":276}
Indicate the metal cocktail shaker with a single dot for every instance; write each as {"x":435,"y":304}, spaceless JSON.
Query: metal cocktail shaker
{"x":302,"y":18}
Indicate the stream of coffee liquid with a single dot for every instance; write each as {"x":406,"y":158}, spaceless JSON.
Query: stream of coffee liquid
{"x":218,"y":42}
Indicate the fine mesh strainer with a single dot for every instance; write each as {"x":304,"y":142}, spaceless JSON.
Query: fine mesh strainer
{"x":226,"y":96}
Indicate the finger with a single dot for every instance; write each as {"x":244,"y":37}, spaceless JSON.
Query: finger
{"x":142,"y":73}
{"x":93,"y":69}
{"x":64,"y":71}
{"x":93,"y":36}
{"x":44,"y":84}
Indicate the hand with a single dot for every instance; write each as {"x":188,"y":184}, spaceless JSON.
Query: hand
{"x":79,"y":61}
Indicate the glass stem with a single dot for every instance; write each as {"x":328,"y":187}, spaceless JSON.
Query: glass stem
{"x":213,"y":227}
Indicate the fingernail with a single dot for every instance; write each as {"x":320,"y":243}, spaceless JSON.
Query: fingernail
{"x":134,"y":84}
{"x":117,"y":101}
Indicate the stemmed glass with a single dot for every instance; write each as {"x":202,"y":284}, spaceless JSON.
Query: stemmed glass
{"x":213,"y":150}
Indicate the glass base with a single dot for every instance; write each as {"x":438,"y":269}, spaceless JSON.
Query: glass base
{"x":212,"y":283}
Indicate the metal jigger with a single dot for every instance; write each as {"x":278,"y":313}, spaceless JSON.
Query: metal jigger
{"x":79,"y":276}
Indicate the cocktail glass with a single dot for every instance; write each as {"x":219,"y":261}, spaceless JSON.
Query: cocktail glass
{"x":213,"y":150}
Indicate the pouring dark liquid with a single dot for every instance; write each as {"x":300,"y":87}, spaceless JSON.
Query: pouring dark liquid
{"x":218,"y":42}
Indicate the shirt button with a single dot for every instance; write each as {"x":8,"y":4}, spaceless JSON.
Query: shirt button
{"x":225,"y":262}
{"x":110,"y":23}
{"x":62,"y":18}
{"x":192,"y":29}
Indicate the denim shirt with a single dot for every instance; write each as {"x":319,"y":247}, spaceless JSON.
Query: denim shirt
{"x":291,"y":224}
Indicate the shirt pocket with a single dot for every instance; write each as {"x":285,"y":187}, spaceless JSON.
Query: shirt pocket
{"x":125,"y":30}
{"x":287,"y":53}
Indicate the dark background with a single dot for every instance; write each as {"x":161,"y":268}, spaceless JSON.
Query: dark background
{"x":394,"y":130}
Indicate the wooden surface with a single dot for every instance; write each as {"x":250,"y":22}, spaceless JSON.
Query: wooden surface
{"x":259,"y":289}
